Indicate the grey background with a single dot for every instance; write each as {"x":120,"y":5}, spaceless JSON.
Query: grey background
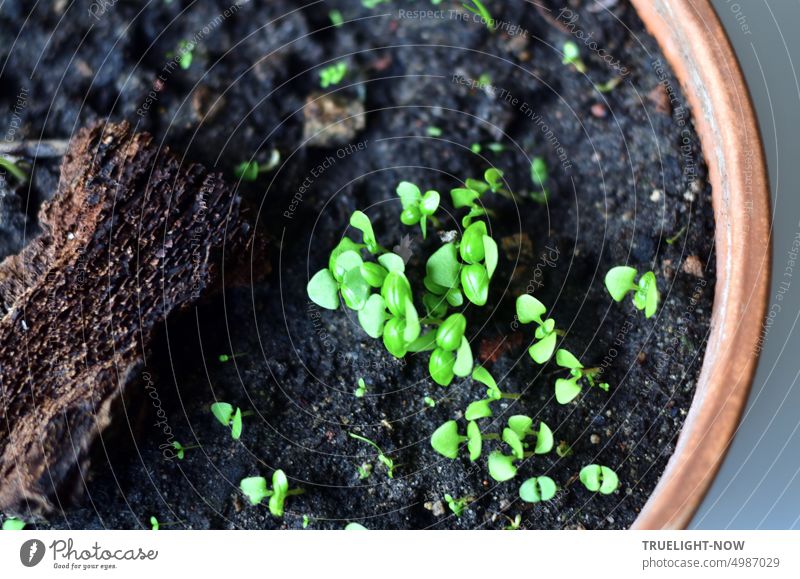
{"x":759,"y":482}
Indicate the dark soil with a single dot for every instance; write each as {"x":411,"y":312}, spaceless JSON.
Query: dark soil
{"x":623,"y":187}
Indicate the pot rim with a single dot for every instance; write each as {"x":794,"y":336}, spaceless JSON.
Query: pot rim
{"x":697,"y":48}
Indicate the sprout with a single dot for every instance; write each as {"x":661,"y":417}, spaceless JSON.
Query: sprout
{"x":620,"y":280}
{"x":306,"y":521}
{"x":501,"y":466}
{"x":226,"y":416}
{"x":355,"y":527}
{"x":540,"y":176}
{"x":14,"y":169}
{"x":446,"y":440}
{"x":563,"y":449}
{"x":361,"y":389}
{"x":514,"y":524}
{"x":256,"y":490}
{"x":185,"y":54}
{"x":250,"y":170}
{"x":333,"y":74}
{"x":337,"y":20}
{"x":599,"y":479}
{"x":154,"y":524}
{"x":429,"y":402}
{"x":537,"y":489}
{"x":382,"y":458}
{"x":529,"y":309}
{"x":572,"y":55}
{"x":457,"y":505}
{"x":452,"y":355}
{"x":434,"y":131}
{"x":479,"y":9}
{"x":567,"y":389}
{"x":417,"y":208}
{"x":180,"y":450}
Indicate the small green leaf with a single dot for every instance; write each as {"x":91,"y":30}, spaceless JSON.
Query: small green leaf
{"x":619,"y":281}
{"x":521,"y":425}
{"x":360,"y":221}
{"x":544,"y":439}
{"x":491,"y":254}
{"x":355,"y":527}
{"x":463,"y":197}
{"x":537,"y":489}
{"x":475,"y":283}
{"x":446,"y":440}
{"x":393,"y":337}
{"x":222,"y":411}
{"x":372,"y":316}
{"x":474,"y":441}
{"x":501,"y":467}
{"x":647,"y":294}
{"x":424,"y":343}
{"x":373,"y":273}
{"x":323,"y":290}
{"x":529,"y":309}
{"x":464,"y":361}
{"x":409,"y":194}
{"x":255,"y":489}
{"x":443,"y":266}
{"x":236,"y":425}
{"x":247,"y":171}
{"x":346,"y":244}
{"x":454,"y":297}
{"x":494,"y":177}
{"x":345,"y":262}
{"x":410,"y":216}
{"x":478,"y":409}
{"x":392,"y":262}
{"x":450,"y":333}
{"x":429,"y":203}
{"x":513,"y":440}
{"x":567,"y":390}
{"x":412,"y":328}
{"x":539,"y":172}
{"x":13,"y":524}
{"x":483,"y":376}
{"x":441,"y":366}
{"x":472,"y":247}
{"x":565,"y":359}
{"x":542,"y":350}
{"x":396,"y":291}
{"x":355,"y":289}
{"x":280,"y":486}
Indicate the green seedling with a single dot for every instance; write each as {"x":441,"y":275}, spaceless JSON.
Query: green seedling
{"x":608,"y":86}
{"x":677,"y":236}
{"x":250,"y":170}
{"x":599,"y":479}
{"x":452,"y":355}
{"x":519,"y":428}
{"x":433,"y":131}
{"x":364,"y":471}
{"x":226,"y":416}
{"x":540,"y":175}
{"x":332,"y":75}
{"x":429,"y":402}
{"x":382,"y":458}
{"x":514,"y":524}
{"x":185,"y":54}
{"x":180,"y":450}
{"x":355,"y":527}
{"x":477,"y":7}
{"x":14,"y":169}
{"x":572,"y":55}
{"x":154,"y":524}
{"x":256,"y":490}
{"x":306,"y":521}
{"x":336,"y":18}
{"x":621,"y":279}
{"x":457,"y":505}
{"x":563,"y":449}
{"x":13,"y":524}
{"x":537,"y":489}
{"x":417,"y":208}
{"x":501,"y":466}
{"x":529,"y":309}
{"x":402,"y":327}
{"x":447,"y":441}
{"x":567,"y":389}
{"x":224,"y":358}
{"x":361,"y":389}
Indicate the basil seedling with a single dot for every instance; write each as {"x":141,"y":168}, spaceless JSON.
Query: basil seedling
{"x":417,"y":208}
{"x":333,"y":74}
{"x":537,"y":489}
{"x":567,"y":389}
{"x":382,"y":458}
{"x":446,"y":440}
{"x":256,"y":490}
{"x":457,"y":506}
{"x":226,"y":416}
{"x":599,"y":479}
{"x":529,"y":309}
{"x":572,"y":55}
{"x":620,"y":280}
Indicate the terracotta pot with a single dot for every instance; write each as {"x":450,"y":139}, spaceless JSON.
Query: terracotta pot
{"x":695,"y":45}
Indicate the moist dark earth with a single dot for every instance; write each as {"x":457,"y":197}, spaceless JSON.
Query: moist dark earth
{"x":628,"y":185}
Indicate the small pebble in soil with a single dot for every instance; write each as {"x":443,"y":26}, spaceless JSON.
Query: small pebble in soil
{"x":332,"y":120}
{"x":693,"y":266}
{"x":599,"y":110}
{"x":655,"y":196}
{"x":594,"y":439}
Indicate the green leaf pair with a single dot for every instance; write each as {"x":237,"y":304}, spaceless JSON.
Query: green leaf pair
{"x":599,"y":479}
{"x":256,"y":490}
{"x":446,"y":440}
{"x":537,"y":489}
{"x":529,"y":309}
{"x":620,"y":280}
{"x":452,"y":355}
{"x":520,"y":427}
{"x":226,"y":416}
{"x":417,"y":208}
{"x":567,"y":389}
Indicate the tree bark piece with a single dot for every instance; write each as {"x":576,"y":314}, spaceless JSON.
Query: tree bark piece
{"x":130,"y":236}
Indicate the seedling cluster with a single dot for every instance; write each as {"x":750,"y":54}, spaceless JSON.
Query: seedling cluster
{"x":621,"y":280}
{"x":226,"y":416}
{"x":374,"y":282}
